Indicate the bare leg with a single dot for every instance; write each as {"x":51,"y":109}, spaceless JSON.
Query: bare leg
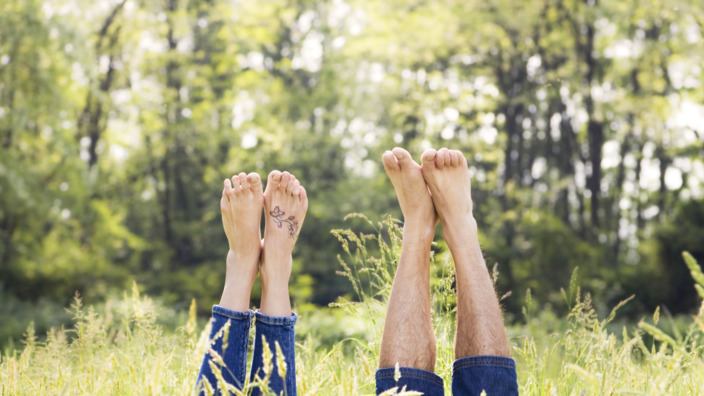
{"x":285,"y":205}
{"x":408,"y":337}
{"x":480,"y":328}
{"x":241,"y":209}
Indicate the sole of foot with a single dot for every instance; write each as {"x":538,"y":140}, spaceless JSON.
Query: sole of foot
{"x":411,"y":190}
{"x":241,"y":209}
{"x":446,"y":174}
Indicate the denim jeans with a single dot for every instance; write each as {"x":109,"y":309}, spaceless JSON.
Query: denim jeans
{"x":229,"y":345}
{"x":470,"y":376}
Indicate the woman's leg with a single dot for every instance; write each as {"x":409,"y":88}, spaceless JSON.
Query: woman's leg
{"x":226,"y":359}
{"x":285,"y":206}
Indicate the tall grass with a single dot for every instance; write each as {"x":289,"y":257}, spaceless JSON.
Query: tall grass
{"x":122,"y":348}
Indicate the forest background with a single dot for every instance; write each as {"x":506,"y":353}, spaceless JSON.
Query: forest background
{"x":581,"y":121}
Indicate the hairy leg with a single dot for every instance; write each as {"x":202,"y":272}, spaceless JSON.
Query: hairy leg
{"x":408,"y":337}
{"x":480,"y":328}
{"x":241,"y":209}
{"x":285,"y":206}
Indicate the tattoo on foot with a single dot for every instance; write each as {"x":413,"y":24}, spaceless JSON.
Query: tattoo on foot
{"x":278,"y":216}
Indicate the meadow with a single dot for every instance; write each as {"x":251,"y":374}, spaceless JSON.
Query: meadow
{"x":135,"y":345}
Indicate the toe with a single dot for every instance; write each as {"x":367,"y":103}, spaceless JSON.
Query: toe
{"x":428,"y":158}
{"x":291,"y":184}
{"x":303,"y":196}
{"x":402,"y":156}
{"x":389,"y":161}
{"x":274,"y":179}
{"x":243,"y":181}
{"x":461,"y":160}
{"x":227,"y":188}
{"x":454,"y":160}
{"x":442,"y":159}
{"x":255,"y":182}
{"x":285,"y":178}
{"x":236,"y":187}
{"x":295,"y":187}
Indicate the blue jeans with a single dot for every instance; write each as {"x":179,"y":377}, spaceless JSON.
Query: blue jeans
{"x":228,"y":352}
{"x":470,"y":376}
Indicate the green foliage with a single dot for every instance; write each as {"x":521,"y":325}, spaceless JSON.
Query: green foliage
{"x":120,"y":119}
{"x":667,"y":275}
{"x":120,"y":348}
{"x":127,"y":346}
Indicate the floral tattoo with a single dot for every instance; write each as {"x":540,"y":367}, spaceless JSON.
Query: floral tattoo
{"x":279,"y":218}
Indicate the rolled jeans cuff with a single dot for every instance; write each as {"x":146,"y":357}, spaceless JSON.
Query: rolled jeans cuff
{"x":276,"y":320}
{"x":230,"y":314}
{"x":411,"y":379}
{"x":491,"y":361}
{"x":494,"y":374}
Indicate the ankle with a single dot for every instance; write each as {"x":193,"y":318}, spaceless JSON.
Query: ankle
{"x":418,"y":232}
{"x":460,"y":230}
{"x":236,"y":258}
{"x":275,"y":300}
{"x":275,"y":269}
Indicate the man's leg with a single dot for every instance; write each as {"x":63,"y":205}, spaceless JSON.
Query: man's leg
{"x":481,"y":346}
{"x":241,"y":209}
{"x":285,"y":206}
{"x":408,"y":339}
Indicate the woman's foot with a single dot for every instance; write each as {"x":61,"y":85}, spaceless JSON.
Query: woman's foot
{"x":241,"y":209}
{"x":285,"y":206}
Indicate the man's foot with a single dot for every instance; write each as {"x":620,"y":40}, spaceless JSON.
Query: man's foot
{"x":480,"y":329}
{"x":241,"y":209}
{"x":446,"y":174}
{"x":408,"y":338}
{"x":285,"y":206}
{"x":411,"y":190}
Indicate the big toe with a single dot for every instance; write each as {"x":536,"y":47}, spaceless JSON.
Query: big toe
{"x":255,"y":182}
{"x":428,"y":158}
{"x":402,"y":156}
{"x":273,"y":180}
{"x":389,"y":161}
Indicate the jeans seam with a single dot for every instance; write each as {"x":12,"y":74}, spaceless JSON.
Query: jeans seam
{"x":245,"y":341}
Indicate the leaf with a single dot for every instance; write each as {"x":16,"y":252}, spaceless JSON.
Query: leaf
{"x":660,"y":336}
{"x":696,"y":272}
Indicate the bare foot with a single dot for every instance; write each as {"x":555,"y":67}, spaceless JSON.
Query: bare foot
{"x":241,"y":209}
{"x":408,"y":339}
{"x":480,"y":328}
{"x":445,"y":171}
{"x":285,"y":206}
{"x":411,"y":190}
